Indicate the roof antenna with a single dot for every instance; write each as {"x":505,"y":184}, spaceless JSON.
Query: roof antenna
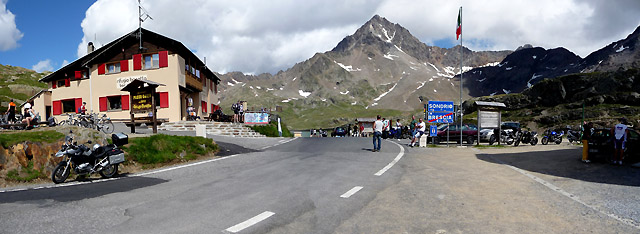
{"x":141,"y":17}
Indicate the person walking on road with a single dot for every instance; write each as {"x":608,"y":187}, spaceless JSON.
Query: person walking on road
{"x":377,"y":133}
{"x":620,"y":133}
{"x":586,"y":136}
{"x":412,"y":126}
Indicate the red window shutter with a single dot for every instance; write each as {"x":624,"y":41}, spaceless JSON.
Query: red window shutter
{"x":101,"y":69}
{"x":78,"y":74}
{"x":204,"y":106}
{"x":67,"y":82}
{"x":124,"y":65}
{"x":213,"y":108}
{"x":125,"y":102}
{"x":137,"y":62}
{"x":164,"y":58}
{"x":164,"y":99}
{"x":53,"y":84}
{"x":103,"y":103}
{"x":78,"y":104}
{"x":57,"y":107}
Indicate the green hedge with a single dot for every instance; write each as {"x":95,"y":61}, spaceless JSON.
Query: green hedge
{"x":271,"y":130}
{"x":163,"y":148}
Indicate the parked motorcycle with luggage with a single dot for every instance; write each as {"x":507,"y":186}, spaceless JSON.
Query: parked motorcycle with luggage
{"x":552,"y":136}
{"x":507,"y":137}
{"x":86,"y":161}
{"x":525,"y":137}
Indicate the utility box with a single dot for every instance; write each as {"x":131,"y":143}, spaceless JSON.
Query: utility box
{"x":119,"y":139}
{"x":201,"y":130}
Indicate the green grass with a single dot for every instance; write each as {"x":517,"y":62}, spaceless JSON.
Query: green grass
{"x":271,"y":130}
{"x":165,"y":148}
{"x":300,"y":117}
{"x":28,"y":174}
{"x":7,"y":140}
{"x":489,"y":146}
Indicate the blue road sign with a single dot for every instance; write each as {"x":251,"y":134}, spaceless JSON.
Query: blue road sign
{"x":433,"y":130}
{"x":440,"y":117}
{"x":440,"y":106}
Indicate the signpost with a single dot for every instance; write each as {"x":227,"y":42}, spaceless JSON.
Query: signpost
{"x":142,"y":95}
{"x":439,"y":112}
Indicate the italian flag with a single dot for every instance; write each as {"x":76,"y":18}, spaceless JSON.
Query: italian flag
{"x":459,"y":28}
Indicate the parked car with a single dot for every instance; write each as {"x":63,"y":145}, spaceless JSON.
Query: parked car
{"x":601,"y":145}
{"x":339,"y":132}
{"x":469,"y":133}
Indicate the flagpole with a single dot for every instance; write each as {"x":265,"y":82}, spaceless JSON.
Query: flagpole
{"x":461,"y":112}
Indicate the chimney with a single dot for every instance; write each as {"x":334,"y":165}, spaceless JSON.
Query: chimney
{"x":90,"y":48}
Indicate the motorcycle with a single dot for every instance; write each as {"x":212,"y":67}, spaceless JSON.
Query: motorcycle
{"x":507,"y":137}
{"x":573,"y":136}
{"x":529,"y":138}
{"x":552,"y":136}
{"x":525,"y":137}
{"x":85,"y":161}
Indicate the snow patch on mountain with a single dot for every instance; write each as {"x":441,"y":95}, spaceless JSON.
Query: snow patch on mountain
{"x":386,"y":34}
{"x":506,"y":91}
{"x":390,"y":56}
{"x":421,"y":85}
{"x":532,"y":78}
{"x":385,"y":93}
{"x":622,"y":48}
{"x":348,"y":68}
{"x":345,"y":92}
{"x":354,"y":103}
{"x":482,"y":80}
{"x":230,"y":84}
{"x":303,"y":93}
{"x":399,"y":49}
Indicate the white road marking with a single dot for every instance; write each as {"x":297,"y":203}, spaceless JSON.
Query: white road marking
{"x":250,"y":222}
{"x":352,"y":191}
{"x":135,"y":175}
{"x":573,"y":197}
{"x":383,"y":170}
{"x":281,"y":142}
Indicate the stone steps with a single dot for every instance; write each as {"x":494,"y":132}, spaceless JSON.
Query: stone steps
{"x":213,"y":128}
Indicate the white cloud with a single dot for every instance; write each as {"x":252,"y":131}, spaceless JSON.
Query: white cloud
{"x":64,"y":63}
{"x":9,"y":33}
{"x":255,"y":36}
{"x":44,"y":65}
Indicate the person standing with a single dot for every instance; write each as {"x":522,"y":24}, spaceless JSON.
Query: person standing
{"x":419,"y":129}
{"x":385,"y":128}
{"x":377,"y":133}
{"x":11,"y":112}
{"x":398,"y":129}
{"x":586,"y":136}
{"x":83,"y":109}
{"x":620,"y":133}
{"x":412,"y":126}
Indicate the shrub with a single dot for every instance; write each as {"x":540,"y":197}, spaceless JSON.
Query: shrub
{"x":271,"y":130}
{"x":28,"y":172}
{"x":162,"y":148}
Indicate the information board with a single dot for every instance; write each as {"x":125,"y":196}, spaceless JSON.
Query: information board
{"x":488,"y":119}
{"x":141,"y":101}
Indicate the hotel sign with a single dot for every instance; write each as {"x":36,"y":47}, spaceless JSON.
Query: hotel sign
{"x":142,"y":101}
{"x":124,"y":81}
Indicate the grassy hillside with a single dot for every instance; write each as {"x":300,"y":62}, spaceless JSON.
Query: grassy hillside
{"x":18,"y":83}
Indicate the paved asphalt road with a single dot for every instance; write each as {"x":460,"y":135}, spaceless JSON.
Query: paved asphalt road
{"x":337,"y":185}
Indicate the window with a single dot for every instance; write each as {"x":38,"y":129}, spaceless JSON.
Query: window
{"x":114,"y":103}
{"x":69,"y":105}
{"x":60,"y":83}
{"x":85,"y":74}
{"x":198,"y":73}
{"x":151,"y":61}
{"x":113,"y":68}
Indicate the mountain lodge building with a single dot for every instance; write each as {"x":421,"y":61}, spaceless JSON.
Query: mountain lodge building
{"x":98,"y":77}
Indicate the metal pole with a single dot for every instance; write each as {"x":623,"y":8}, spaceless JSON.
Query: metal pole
{"x":461,"y":112}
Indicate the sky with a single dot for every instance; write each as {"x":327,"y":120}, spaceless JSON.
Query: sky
{"x":256,"y":36}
